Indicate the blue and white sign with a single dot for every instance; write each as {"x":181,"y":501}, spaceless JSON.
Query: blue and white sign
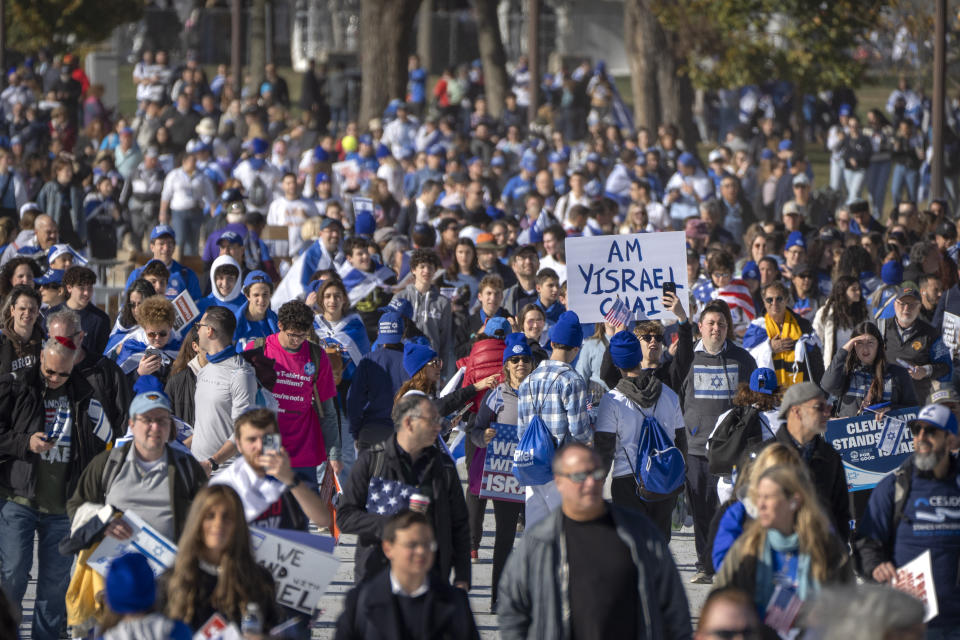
{"x":870,"y":450}
{"x":498,"y":481}
{"x":632,"y":267}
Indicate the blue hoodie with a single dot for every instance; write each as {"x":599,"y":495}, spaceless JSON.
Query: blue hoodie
{"x":248,"y":330}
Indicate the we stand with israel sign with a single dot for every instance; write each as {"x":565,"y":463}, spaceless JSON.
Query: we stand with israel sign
{"x":632,"y":267}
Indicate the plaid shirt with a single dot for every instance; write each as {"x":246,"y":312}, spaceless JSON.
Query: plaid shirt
{"x":560,"y":394}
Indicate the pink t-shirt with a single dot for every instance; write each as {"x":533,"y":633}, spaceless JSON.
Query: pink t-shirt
{"x":299,"y":424}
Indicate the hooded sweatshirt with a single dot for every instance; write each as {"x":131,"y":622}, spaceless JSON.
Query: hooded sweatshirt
{"x":234,"y":300}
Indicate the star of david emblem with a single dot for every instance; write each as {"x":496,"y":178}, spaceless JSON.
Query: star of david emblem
{"x":716,"y":381}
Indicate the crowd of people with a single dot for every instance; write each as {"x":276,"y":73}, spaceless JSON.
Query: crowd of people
{"x":320,"y":303}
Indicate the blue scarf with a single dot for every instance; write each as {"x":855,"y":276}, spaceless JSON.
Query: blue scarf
{"x":775,"y":541}
{"x":222,"y":355}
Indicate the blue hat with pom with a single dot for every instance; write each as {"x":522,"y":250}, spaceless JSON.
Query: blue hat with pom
{"x":567,"y":331}
{"x":516,"y":345}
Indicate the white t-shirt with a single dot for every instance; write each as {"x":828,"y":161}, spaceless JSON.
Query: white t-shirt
{"x":621,"y":416}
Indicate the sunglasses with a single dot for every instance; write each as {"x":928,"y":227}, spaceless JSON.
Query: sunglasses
{"x":436,"y":362}
{"x":651,"y":337}
{"x":518,"y":360}
{"x":916,"y":429}
{"x":579,"y":477}
{"x":771,"y":300}
{"x":164,"y":334}
{"x":50,"y":373}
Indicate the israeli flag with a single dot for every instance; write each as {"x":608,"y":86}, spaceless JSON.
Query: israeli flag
{"x":715,"y":382}
{"x":295,"y":282}
{"x":360,"y":284}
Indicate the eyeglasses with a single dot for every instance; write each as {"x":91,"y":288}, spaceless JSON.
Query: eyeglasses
{"x":50,"y":373}
{"x":297,"y":336}
{"x":772,"y":299}
{"x":579,"y":477}
{"x":651,"y":337}
{"x":436,"y":362}
{"x":420,"y":546}
{"x":820,"y":407}
{"x":917,"y":428}
{"x":164,"y":334}
{"x":722,"y":274}
{"x":154,"y":422}
{"x":518,"y":360}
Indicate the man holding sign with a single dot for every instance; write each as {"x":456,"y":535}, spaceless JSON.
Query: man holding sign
{"x":916,"y":509}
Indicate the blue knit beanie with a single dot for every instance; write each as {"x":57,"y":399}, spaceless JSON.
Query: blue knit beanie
{"x":891,"y":272}
{"x":416,"y":356}
{"x":516,"y":345}
{"x":625,"y":350}
{"x":131,"y":587}
{"x":567,"y":331}
{"x":364,"y":225}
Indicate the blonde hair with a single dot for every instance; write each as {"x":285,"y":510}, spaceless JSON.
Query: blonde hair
{"x":775,"y":454}
{"x":156,"y":311}
{"x":810,"y":522}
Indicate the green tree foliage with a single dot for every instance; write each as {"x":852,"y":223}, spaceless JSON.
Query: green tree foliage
{"x":812,"y":43}
{"x":65,"y":24}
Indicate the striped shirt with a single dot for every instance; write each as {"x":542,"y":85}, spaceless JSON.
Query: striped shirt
{"x":558,"y":394}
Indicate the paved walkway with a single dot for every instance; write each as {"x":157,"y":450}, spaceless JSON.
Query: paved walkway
{"x":332,"y":603}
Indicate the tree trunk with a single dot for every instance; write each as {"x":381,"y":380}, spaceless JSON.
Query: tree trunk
{"x":676,"y":92}
{"x":493,"y":55}
{"x":639,"y":25}
{"x":660,"y":93}
{"x":386,"y":28}
{"x":258,"y":42}
{"x":425,"y":34}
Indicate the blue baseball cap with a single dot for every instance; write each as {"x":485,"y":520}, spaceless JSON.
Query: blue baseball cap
{"x":321,"y":177}
{"x":366,"y":139}
{"x":687,"y":159}
{"x":556,"y":157}
{"x":255,"y":277}
{"x":939,"y":416}
{"x":390,"y":328}
{"x":497,"y":161}
{"x":436,"y":150}
{"x":52,"y":276}
{"x":594,"y":157}
{"x":163,"y":230}
{"x":785,"y":145}
{"x":230,"y":236}
{"x":763,"y":380}
{"x":495,"y":324}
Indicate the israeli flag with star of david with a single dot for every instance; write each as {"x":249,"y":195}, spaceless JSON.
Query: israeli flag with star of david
{"x":387,"y":497}
{"x":715,"y":382}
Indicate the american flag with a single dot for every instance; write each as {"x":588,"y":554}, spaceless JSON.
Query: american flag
{"x":387,"y":497}
{"x":737,"y":294}
{"x":618,"y":314}
{"x":782,"y":609}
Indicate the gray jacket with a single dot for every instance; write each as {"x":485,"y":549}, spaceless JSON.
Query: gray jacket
{"x":499,"y":405}
{"x":534,"y":600}
{"x":434,"y":317}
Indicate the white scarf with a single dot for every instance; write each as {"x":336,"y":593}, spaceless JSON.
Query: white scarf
{"x":256,"y":493}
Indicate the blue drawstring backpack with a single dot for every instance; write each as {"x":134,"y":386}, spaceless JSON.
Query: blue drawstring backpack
{"x":659,"y":468}
{"x":533,"y":457}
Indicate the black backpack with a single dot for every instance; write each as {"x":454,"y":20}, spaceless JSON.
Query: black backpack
{"x":740,"y":432}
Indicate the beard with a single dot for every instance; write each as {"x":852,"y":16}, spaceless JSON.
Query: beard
{"x":927,"y":461}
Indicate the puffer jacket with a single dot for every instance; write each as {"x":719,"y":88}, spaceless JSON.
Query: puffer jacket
{"x":534,"y":600}
{"x":484,"y":360}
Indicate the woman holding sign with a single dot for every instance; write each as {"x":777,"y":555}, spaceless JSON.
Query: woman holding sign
{"x":499,"y":409}
{"x":215,"y":572}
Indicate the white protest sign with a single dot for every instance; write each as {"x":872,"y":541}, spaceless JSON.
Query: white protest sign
{"x":147,"y":541}
{"x":186,"y":310}
{"x":302,"y":564}
{"x":916,"y":578}
{"x":632,"y":267}
{"x":951,"y":332}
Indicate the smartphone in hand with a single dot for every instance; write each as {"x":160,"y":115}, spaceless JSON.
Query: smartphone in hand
{"x":271,"y":443}
{"x":670,"y":287}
